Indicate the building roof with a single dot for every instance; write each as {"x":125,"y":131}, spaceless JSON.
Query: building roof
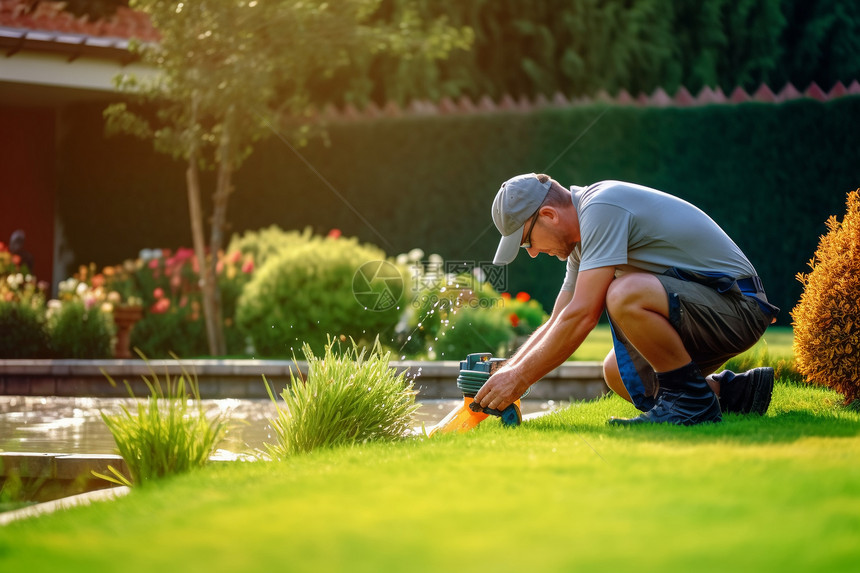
{"x":53,"y":55}
{"x":53,"y":16}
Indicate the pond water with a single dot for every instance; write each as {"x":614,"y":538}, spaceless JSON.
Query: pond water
{"x":74,"y":425}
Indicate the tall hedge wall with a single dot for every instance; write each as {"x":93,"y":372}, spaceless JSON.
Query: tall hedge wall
{"x":770,"y":175}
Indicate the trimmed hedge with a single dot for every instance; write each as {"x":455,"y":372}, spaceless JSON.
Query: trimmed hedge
{"x":770,"y":175}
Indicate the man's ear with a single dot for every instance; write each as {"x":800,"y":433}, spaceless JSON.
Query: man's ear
{"x":550,"y":213}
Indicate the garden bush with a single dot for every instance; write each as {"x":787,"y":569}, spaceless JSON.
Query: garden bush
{"x":22,"y":330}
{"x":306,"y":293}
{"x":348,"y":397}
{"x":827,"y":318}
{"x":262,"y":244}
{"x":442,"y":298}
{"x":77,"y":331}
{"x":473,"y":328}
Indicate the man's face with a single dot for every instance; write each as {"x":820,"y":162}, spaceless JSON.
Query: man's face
{"x":547,"y":236}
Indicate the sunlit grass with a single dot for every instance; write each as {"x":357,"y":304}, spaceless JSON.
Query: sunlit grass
{"x":561,"y":493}
{"x":168,"y":433}
{"x":349,"y":396}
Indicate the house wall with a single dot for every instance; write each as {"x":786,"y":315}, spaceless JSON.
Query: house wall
{"x":28,"y":181}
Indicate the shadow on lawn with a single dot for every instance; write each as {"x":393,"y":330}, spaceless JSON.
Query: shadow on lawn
{"x":788,"y":426}
{"x":786,"y":422}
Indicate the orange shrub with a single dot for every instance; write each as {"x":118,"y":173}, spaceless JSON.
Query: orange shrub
{"x":827,"y":318}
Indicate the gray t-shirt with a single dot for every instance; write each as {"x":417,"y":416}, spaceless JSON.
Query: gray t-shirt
{"x":631,"y":227}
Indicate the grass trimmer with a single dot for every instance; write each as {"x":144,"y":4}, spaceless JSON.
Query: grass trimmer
{"x":475,"y":370}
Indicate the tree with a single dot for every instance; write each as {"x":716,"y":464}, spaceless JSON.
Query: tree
{"x":231,"y":72}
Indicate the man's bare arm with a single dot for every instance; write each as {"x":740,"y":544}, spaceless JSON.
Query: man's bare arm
{"x":561,"y":338}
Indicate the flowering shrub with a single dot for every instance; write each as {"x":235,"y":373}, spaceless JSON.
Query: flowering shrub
{"x":467,"y":299}
{"x":168,"y":284}
{"x":22,"y":310}
{"x":827,"y":318}
{"x":524,"y":313}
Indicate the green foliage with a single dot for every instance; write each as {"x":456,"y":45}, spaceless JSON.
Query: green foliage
{"x":262,"y":244}
{"x":471,"y":329}
{"x":306,"y":293}
{"x":168,"y":434}
{"x":76,"y":331}
{"x":580,"y":47}
{"x":819,"y":43}
{"x":232,"y":69}
{"x":22,"y":330}
{"x":348,"y":398}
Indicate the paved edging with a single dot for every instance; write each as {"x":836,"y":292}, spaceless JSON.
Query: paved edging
{"x":62,"y":503}
{"x":244,"y":378}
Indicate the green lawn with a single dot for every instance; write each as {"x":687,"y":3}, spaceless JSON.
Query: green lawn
{"x":561,"y":493}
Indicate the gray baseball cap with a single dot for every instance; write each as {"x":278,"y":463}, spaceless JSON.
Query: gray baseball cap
{"x":517,"y":200}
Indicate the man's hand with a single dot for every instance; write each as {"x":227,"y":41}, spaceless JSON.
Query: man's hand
{"x":502,"y":389}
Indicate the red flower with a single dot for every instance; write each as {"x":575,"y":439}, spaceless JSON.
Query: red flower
{"x":248,"y":267}
{"x":334,"y":234}
{"x":98,"y":280}
{"x":161,"y":306}
{"x":523,"y":297}
{"x":158,"y":293}
{"x":515,"y":320}
{"x":506,"y":295}
{"x":236,"y":257}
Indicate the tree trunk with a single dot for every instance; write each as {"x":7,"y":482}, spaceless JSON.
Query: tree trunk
{"x":223,"y":188}
{"x":208,"y":284}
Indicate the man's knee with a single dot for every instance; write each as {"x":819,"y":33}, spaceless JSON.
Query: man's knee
{"x":635,"y":291}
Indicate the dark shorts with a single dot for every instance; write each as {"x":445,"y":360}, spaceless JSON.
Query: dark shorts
{"x":714,"y":327}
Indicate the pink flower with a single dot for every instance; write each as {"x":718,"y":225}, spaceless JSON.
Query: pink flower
{"x":334,"y":234}
{"x":158,"y":293}
{"x":161,"y":306}
{"x":236,"y":257}
{"x":248,"y":267}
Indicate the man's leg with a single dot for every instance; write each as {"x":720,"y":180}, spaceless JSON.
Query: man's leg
{"x":638,"y":304}
{"x":612,"y":376}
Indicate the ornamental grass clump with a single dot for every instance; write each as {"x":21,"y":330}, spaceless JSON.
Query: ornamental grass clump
{"x":347,"y":398}
{"x":827,"y":318}
{"x":168,"y":434}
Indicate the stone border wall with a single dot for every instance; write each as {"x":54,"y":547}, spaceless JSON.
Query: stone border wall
{"x":244,"y":378}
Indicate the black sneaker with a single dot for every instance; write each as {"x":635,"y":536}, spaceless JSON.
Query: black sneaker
{"x":746,"y":393}
{"x":679,"y":407}
{"x":684,"y":398}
